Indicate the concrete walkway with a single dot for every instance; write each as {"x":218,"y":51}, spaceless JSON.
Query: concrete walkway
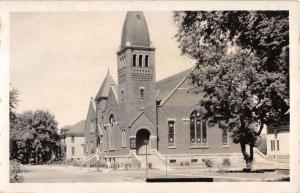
{"x":61,"y":173}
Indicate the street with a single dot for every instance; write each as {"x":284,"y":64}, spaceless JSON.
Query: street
{"x":62,"y":173}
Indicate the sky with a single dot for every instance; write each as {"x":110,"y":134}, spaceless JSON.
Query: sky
{"x":58,"y":60}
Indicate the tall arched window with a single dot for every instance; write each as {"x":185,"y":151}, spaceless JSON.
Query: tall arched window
{"x":146,"y":61}
{"x":134,"y":60}
{"x":140,"y":61}
{"x":198,"y":130}
{"x":110,"y":132}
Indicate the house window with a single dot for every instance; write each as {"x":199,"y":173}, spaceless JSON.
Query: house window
{"x":73,"y":151}
{"x":72,"y":139}
{"x":142,"y":90}
{"x":225,"y":137}
{"x":134,"y":60}
{"x":140,"y":61}
{"x":146,"y":61}
{"x":123,"y":135}
{"x":277,"y":145}
{"x":272,"y":145}
{"x":171,"y":138}
{"x":198,"y":130}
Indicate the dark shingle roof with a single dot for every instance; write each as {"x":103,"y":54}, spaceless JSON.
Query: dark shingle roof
{"x":77,"y":129}
{"x":135,"y":30}
{"x":105,"y":87}
{"x":165,"y":86}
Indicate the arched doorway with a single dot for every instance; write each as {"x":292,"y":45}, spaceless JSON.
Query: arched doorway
{"x":143,"y":142}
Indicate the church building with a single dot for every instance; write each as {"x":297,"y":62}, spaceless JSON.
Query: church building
{"x":138,"y":115}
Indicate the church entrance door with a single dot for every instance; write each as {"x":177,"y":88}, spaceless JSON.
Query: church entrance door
{"x":143,"y":142}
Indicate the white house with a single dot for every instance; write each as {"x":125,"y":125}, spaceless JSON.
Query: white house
{"x":278,"y":141}
{"x":74,"y":140}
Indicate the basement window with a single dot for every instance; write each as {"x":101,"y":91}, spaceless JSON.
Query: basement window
{"x":172,"y":161}
{"x":194,"y":160}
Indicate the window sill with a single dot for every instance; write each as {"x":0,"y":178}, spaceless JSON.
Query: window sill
{"x":226,"y":146}
{"x":113,"y":150}
{"x":172,"y":147}
{"x":199,"y":147}
{"x":123,"y":146}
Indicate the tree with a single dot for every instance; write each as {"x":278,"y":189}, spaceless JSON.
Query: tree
{"x":36,"y":137}
{"x":242,"y":71}
{"x":13,"y":102}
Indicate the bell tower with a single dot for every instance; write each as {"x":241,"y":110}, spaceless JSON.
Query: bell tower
{"x":136,"y":69}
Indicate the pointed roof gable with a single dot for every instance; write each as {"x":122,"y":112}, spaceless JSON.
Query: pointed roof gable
{"x":139,"y":114}
{"x":166,"y":87}
{"x":91,"y":111}
{"x":105,"y":87}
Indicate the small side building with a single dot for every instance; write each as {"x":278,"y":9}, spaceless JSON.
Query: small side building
{"x":278,"y":141}
{"x":74,"y":140}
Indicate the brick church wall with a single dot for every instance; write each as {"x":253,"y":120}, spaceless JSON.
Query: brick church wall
{"x":179,"y":107}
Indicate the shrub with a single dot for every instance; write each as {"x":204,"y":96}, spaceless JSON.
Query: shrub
{"x":226,"y":162}
{"x":15,"y":172}
{"x":150,"y":165}
{"x":184,"y":163}
{"x":209,"y":163}
{"x":114,"y":165}
{"x":102,"y":164}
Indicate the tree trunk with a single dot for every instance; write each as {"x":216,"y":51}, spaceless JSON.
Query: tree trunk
{"x":248,"y":158}
{"x":251,"y":154}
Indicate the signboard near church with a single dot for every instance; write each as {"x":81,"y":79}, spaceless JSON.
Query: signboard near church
{"x":132,"y":143}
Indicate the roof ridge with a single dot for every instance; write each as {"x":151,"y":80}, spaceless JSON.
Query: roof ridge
{"x":177,"y":86}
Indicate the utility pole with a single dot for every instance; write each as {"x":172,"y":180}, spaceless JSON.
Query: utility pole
{"x":146,"y":142}
{"x":166,"y":165}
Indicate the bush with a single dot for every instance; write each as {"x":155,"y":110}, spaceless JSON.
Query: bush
{"x":150,"y":165}
{"x":226,"y":162}
{"x":184,"y":163}
{"x":102,"y":164}
{"x":126,"y":166}
{"x":15,"y":172}
{"x":209,"y":163}
{"x":114,"y":165}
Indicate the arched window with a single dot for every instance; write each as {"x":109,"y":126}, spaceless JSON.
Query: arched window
{"x":198,"y":130}
{"x":142,"y":90}
{"x":110,"y":132}
{"x":111,"y":119}
{"x":122,"y":95}
{"x":123,"y":137}
{"x":146,"y":61}
{"x":123,"y":61}
{"x":134,"y":60}
{"x":140,"y":61}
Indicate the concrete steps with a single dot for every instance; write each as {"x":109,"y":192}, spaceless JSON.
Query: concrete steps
{"x":153,"y":158}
